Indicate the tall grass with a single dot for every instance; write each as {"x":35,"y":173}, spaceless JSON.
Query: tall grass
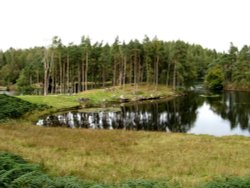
{"x":111,"y":157}
{"x":15,"y":172}
{"x":115,"y":156}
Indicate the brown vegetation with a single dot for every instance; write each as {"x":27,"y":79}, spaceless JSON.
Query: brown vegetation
{"x":113,"y":156}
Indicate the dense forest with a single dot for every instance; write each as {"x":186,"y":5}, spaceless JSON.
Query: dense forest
{"x":73,"y":68}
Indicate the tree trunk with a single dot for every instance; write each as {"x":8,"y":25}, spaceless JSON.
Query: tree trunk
{"x":45,"y":85}
{"x":139,"y":70}
{"x":86,"y":71}
{"x":60,"y":74}
{"x":83,"y":75}
{"x":168,"y":75}
{"x":92,"y":79}
{"x":114,"y":73}
{"x":103,"y":76}
{"x":52,"y":73}
{"x":120,"y":72}
{"x":67,"y":75}
{"x":63,"y":77}
{"x":31,"y":81}
{"x":79,"y":78}
{"x":46,"y":72}
{"x":124,"y":70}
{"x":147,"y":72}
{"x":157,"y":72}
{"x":130,"y":72}
{"x":135,"y":72}
{"x":174,"y":75}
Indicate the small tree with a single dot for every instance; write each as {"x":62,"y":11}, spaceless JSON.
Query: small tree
{"x":214,"y":78}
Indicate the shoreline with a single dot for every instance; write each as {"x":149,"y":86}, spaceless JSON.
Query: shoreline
{"x":232,"y":87}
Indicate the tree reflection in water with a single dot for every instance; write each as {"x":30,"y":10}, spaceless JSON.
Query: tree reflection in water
{"x":176,"y":115}
{"x":234,"y":107}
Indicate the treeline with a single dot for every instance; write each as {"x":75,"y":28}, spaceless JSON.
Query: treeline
{"x":73,"y":68}
{"x":231,"y":70}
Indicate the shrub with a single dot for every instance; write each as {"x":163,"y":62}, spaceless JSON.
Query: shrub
{"x":214,"y":78}
{"x":141,"y":183}
{"x":231,"y":182}
{"x":15,"y":172}
{"x":12,"y":107}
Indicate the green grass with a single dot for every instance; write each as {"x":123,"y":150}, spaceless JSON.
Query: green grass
{"x":99,"y":96}
{"x":111,"y":157}
{"x":56,"y":101}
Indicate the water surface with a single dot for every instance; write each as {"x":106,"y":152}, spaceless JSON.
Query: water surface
{"x":225,"y":114}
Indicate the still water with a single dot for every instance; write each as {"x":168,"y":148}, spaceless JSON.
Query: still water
{"x":225,"y":114}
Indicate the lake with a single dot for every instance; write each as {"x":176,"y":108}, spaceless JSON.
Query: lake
{"x":227,"y":113}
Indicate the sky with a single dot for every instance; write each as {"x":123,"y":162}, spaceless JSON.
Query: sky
{"x":210,"y":23}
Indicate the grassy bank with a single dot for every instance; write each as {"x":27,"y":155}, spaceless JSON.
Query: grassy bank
{"x":237,"y":87}
{"x":100,"y":96}
{"x":116,"y":156}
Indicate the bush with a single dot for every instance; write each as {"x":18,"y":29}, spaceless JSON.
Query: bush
{"x":231,"y":182}
{"x":12,"y":107}
{"x":18,"y":173}
{"x":15,"y":172}
{"x":144,"y":184}
{"x":214,"y":78}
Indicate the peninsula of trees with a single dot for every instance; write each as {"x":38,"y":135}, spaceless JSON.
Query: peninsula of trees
{"x":74,"y":68}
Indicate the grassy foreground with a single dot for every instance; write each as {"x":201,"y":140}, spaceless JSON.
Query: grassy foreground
{"x":116,"y":156}
{"x":99,"y":96}
{"x":19,"y":173}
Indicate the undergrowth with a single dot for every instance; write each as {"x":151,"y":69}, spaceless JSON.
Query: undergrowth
{"x":15,"y":172}
{"x":228,"y":182}
{"x":13,"y":107}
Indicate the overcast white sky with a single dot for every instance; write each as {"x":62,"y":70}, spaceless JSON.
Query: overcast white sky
{"x":211,"y":23}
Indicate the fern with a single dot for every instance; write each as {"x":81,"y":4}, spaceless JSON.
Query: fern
{"x":231,"y":182}
{"x":141,"y":183}
{"x":15,"y":172}
{"x":12,"y":107}
{"x":33,"y":180}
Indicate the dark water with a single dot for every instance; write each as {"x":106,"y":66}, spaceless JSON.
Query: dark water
{"x":224,"y":114}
